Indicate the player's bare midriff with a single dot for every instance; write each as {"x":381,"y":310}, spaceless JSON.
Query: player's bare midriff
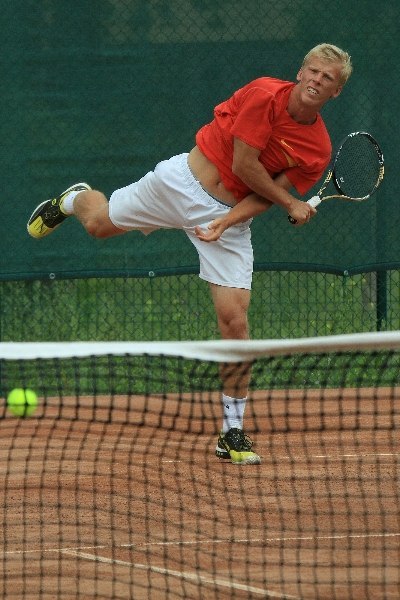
{"x":207,"y":174}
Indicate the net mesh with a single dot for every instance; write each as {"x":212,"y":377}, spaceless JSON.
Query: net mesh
{"x":112,"y":489}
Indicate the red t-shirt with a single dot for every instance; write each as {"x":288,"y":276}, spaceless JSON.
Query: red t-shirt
{"x":257,"y":115}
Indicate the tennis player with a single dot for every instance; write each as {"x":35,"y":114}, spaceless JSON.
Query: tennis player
{"x":266,"y":139}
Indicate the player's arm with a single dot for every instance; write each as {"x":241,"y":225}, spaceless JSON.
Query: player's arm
{"x":266,"y":192}
{"x":249,"y":207}
{"x":248,"y":168}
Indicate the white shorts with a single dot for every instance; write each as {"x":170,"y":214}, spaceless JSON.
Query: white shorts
{"x":171,"y":198}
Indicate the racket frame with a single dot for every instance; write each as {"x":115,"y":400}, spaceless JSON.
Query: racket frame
{"x":331,"y":175}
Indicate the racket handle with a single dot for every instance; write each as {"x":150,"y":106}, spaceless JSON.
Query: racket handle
{"x":314,"y":201}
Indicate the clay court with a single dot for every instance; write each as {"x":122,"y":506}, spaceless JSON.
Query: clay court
{"x":127,"y":500}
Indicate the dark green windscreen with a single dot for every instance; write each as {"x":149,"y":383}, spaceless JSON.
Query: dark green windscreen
{"x":100,"y":91}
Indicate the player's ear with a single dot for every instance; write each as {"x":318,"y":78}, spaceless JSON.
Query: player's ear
{"x":336,"y":94}
{"x":299,"y":74}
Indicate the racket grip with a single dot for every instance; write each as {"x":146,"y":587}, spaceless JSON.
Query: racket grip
{"x":314,"y":201}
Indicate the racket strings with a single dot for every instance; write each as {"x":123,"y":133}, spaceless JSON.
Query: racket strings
{"x":358,"y":167}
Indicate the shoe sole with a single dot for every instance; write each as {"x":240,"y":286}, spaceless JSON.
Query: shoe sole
{"x":253,"y":459}
{"x":222,"y":454}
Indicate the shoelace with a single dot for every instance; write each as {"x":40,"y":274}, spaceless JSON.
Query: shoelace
{"x":239,"y":441}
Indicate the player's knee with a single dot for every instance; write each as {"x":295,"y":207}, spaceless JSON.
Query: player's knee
{"x":234,"y":325}
{"x":97,"y":221}
{"x":99,"y":227}
{"x":93,"y":226}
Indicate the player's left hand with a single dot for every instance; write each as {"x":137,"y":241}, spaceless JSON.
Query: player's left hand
{"x":214,"y":231}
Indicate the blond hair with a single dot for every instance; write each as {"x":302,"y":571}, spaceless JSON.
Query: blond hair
{"x":332,"y":53}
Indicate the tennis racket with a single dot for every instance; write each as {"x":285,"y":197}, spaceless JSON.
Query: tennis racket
{"x":356,"y":171}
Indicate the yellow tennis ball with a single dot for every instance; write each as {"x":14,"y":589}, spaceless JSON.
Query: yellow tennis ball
{"x":22,"y":402}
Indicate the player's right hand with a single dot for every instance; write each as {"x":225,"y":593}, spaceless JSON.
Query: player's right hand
{"x":301,"y":212}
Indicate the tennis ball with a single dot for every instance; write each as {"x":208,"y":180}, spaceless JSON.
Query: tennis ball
{"x":22,"y":402}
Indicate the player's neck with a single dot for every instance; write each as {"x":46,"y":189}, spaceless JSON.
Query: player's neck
{"x":299,"y":111}
{"x":301,"y":115}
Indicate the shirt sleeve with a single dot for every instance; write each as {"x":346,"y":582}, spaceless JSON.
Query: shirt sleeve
{"x":253,"y":120}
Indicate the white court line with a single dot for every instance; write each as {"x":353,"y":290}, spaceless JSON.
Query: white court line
{"x":297,"y":458}
{"x":275,"y":459}
{"x":311,"y":538}
{"x":195,"y":577}
{"x":306,"y":457}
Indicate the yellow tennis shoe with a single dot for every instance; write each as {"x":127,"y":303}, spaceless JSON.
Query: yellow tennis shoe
{"x":236,"y":446}
{"x":49,"y":214}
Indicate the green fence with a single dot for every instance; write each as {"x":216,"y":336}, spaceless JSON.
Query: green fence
{"x":285,"y":304}
{"x":100,"y":91}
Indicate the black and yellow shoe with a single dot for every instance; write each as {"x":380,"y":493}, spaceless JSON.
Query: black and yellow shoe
{"x":236,"y":446}
{"x":49,"y":215}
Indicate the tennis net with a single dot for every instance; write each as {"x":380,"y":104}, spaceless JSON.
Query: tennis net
{"x":111,"y":488}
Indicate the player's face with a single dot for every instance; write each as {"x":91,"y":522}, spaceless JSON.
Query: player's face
{"x":319,"y":81}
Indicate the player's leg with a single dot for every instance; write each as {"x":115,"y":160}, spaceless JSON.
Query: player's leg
{"x":231,"y":306}
{"x":91,"y":208}
{"x":227,"y":265}
{"x":158,"y":200}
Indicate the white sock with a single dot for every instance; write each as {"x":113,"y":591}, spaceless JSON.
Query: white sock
{"x":233,"y":412}
{"x":67,"y":205}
